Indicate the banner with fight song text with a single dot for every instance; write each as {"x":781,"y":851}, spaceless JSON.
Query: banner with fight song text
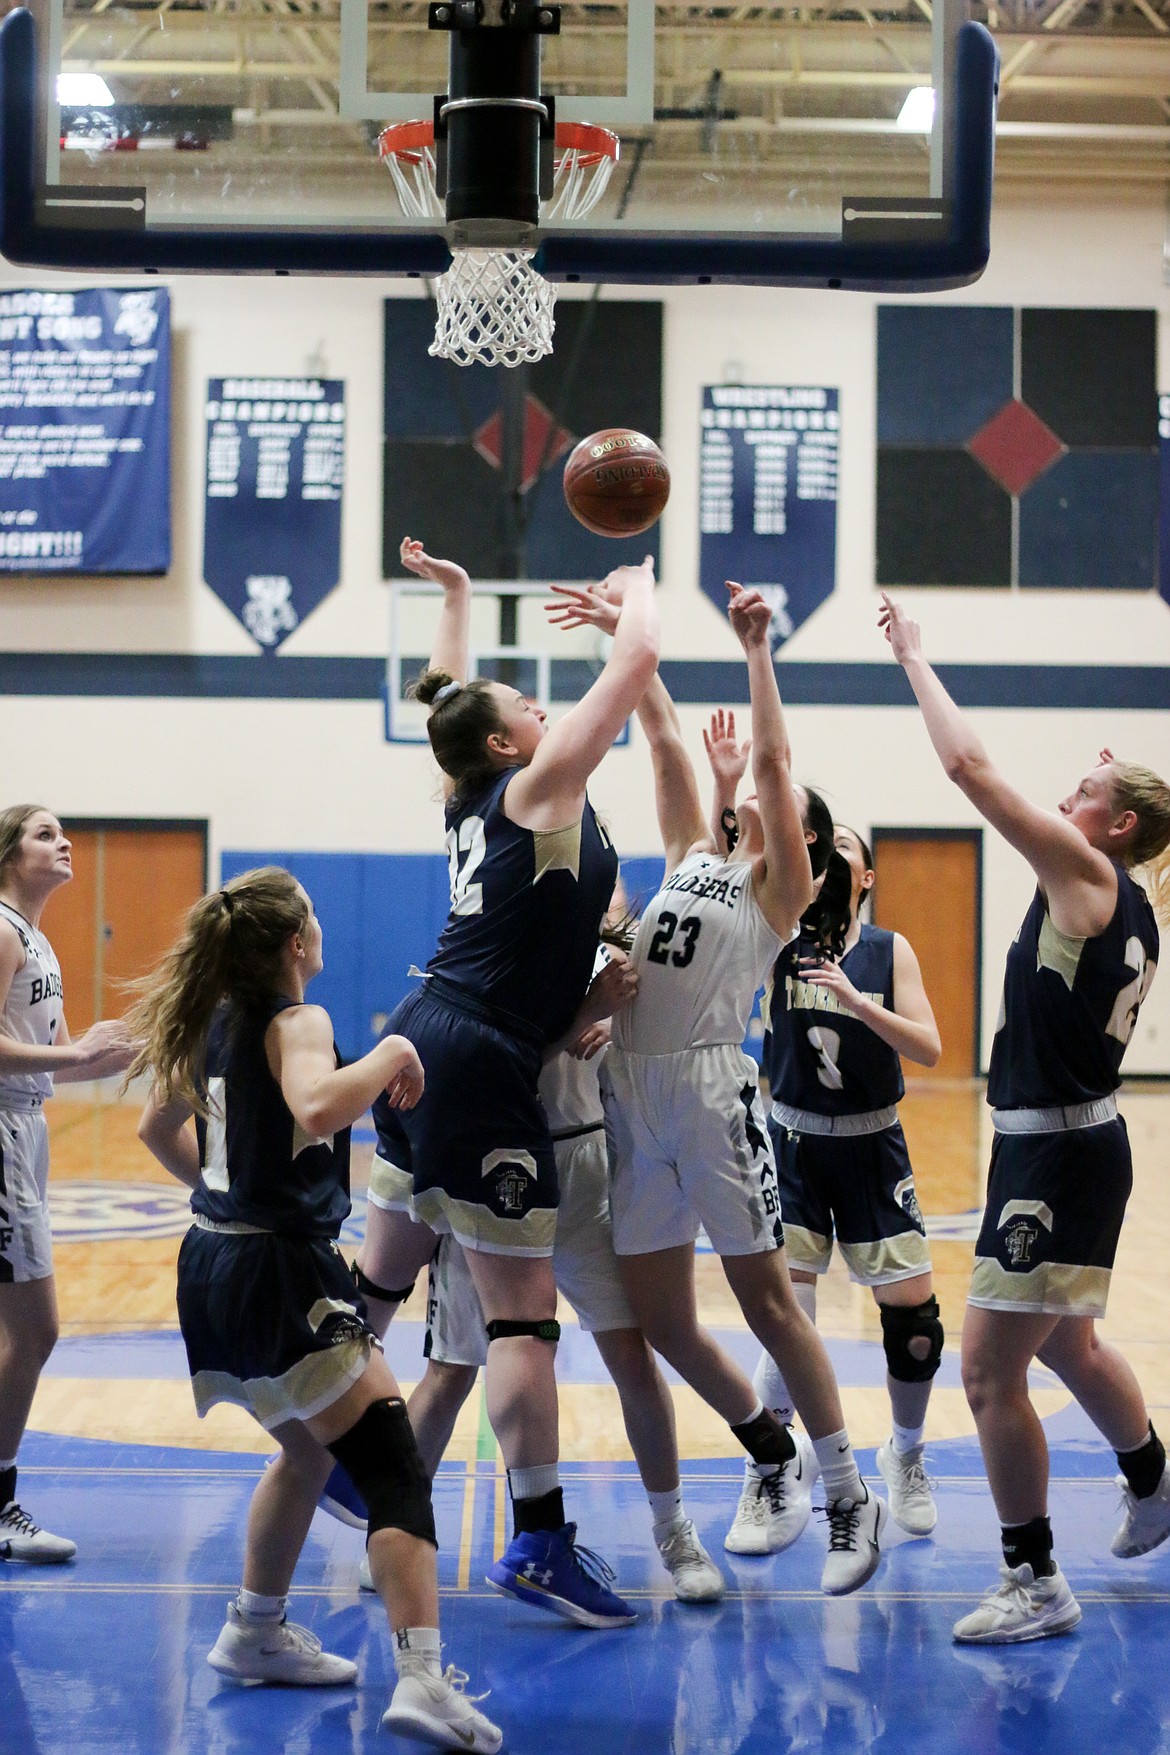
{"x":272,"y":512}
{"x":85,"y":443}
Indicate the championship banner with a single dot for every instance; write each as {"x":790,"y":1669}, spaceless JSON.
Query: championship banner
{"x":272,"y":513}
{"x":768,"y":498}
{"x":85,"y":442}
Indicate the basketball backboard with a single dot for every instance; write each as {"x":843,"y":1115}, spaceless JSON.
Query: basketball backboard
{"x":823,"y":145}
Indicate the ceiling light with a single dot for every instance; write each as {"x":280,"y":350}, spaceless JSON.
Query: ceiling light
{"x":87,"y":91}
{"x":917,"y":114}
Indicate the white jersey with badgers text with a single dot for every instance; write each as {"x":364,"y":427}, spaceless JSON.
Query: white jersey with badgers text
{"x":702,"y":951}
{"x":33,"y":1010}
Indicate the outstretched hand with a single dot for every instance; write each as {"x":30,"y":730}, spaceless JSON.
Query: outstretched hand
{"x":449,"y":574}
{"x":904,"y":635}
{"x":749,"y":614}
{"x":580,"y":606}
{"x":728,"y":759}
{"x":613,"y":587}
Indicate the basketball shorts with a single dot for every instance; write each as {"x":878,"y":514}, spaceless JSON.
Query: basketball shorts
{"x":858,"y":1188}
{"x":584,"y":1263}
{"x":272,"y":1323}
{"x":26,"y":1242}
{"x":689,"y":1148}
{"x":474,"y":1156}
{"x":1055,"y":1203}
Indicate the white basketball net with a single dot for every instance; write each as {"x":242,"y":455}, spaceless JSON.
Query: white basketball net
{"x":494,"y":309}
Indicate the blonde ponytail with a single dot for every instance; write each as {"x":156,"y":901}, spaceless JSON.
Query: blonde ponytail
{"x":1148,"y":796}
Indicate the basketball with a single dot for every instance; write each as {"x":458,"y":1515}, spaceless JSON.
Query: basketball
{"x":616,"y":482}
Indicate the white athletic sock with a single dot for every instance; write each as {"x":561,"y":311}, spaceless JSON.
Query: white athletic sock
{"x":838,"y":1469}
{"x":908,"y":1438}
{"x":768,"y":1379}
{"x":666,"y":1510}
{"x":417,"y":1648}
{"x":254,"y":1607}
{"x":9,"y":1464}
{"x":534,"y":1483}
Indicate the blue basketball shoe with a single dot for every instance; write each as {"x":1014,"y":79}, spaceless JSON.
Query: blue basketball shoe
{"x":547,"y":1569}
{"x":341,"y":1499}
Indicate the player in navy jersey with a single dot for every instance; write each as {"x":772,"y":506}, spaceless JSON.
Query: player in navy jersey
{"x":35,"y":1053}
{"x":846,"y":1001}
{"x":1060,"y":1175}
{"x":687,"y":1134}
{"x":532,"y":871}
{"x":251,"y":1109}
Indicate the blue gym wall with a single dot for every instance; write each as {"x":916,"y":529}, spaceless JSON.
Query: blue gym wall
{"x":381,"y":912}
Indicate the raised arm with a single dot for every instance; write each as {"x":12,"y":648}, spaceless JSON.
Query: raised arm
{"x":782,"y":876}
{"x":550,"y":791}
{"x":324,"y":1097}
{"x":676,"y":791}
{"x":1078,"y":881}
{"x":451,"y":648}
{"x":728,"y":760}
{"x":910,"y":1027}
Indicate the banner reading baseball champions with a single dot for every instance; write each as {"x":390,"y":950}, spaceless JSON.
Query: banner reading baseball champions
{"x":272,"y":517}
{"x":85,"y":442}
{"x":768,"y":497}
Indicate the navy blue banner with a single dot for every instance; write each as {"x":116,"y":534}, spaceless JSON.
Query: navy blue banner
{"x":272,"y":518}
{"x":1164,"y":496}
{"x":768,"y":498}
{"x":85,"y":431}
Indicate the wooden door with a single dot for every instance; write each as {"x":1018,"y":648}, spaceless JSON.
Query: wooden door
{"x":929,"y":889}
{"x":132,"y":885}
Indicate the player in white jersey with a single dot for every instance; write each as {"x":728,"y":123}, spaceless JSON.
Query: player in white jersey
{"x":35,"y":1050}
{"x":688,"y":1138}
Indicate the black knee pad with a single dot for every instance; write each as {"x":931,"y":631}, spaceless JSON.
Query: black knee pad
{"x":382,"y":1460}
{"x":368,"y":1289}
{"x":902,"y":1324}
{"x":503,"y":1330}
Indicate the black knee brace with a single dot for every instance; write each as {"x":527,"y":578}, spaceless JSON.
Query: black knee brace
{"x":382,"y":1460}
{"x":368,"y":1289}
{"x":902,"y":1324}
{"x":503,"y":1330}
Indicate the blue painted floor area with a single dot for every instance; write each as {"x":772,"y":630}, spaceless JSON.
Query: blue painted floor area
{"x":108,"y":1654}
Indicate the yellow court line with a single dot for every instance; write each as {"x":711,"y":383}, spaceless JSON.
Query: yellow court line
{"x":463,"y":1576}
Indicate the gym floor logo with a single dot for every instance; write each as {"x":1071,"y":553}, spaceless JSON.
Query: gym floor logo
{"x":102,"y":1212}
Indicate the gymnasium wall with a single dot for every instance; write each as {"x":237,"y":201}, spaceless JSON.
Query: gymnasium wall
{"x":314,"y":775}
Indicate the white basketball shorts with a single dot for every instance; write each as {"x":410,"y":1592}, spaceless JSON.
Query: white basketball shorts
{"x":26,"y":1244}
{"x":689,"y":1147}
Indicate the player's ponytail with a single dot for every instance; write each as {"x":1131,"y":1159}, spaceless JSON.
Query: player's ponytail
{"x":462,"y":718}
{"x":1148,"y":796}
{"x":827,"y":918}
{"x":231,"y":949}
{"x":12,"y":823}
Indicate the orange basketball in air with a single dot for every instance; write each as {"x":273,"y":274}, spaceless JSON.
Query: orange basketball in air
{"x":616,"y":482}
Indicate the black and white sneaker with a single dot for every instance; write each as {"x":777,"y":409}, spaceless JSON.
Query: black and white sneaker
{"x":774,"y":1509}
{"x":21,"y":1539}
{"x":855,"y":1529}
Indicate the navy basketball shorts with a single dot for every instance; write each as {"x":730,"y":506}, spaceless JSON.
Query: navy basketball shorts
{"x":1055,"y":1203}
{"x":474,"y":1157}
{"x":274,"y":1324}
{"x":858,"y":1188}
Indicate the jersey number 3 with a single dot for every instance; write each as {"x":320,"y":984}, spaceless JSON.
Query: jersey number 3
{"x":466,"y":848}
{"x":668,"y":925}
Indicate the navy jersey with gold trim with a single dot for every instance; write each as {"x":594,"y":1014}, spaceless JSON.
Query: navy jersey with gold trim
{"x":1070,"y":1005}
{"x":817,"y":1055}
{"x":259,"y":1167}
{"x":526,"y":911}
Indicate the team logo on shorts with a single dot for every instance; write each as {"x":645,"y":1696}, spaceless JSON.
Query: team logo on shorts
{"x":1020,"y":1225}
{"x":513,"y":1170}
{"x":907,"y":1199}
